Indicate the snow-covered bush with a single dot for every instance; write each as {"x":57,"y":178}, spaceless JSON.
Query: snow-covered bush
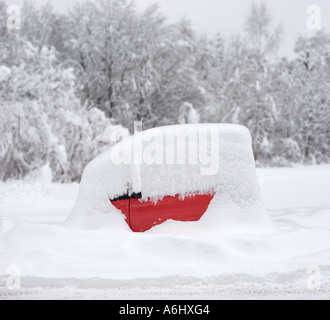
{"x":43,"y":121}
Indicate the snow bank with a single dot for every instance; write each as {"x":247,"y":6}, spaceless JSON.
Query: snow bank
{"x":30,"y":238}
{"x":176,"y":160}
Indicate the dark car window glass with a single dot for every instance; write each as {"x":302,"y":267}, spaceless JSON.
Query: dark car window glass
{"x":127,"y":197}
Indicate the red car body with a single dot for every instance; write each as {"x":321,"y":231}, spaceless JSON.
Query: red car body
{"x":143,"y":215}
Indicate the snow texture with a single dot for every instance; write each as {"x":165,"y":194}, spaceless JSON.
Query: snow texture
{"x":62,"y":263}
{"x":236,"y":207}
{"x":4,"y":73}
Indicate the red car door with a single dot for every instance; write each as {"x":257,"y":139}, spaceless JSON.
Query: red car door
{"x":145,"y":215}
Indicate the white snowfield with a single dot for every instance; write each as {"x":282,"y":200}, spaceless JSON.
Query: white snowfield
{"x":221,"y":256}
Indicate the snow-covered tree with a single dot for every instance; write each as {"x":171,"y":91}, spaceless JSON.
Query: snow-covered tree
{"x":67,"y":79}
{"x":132,"y":65}
{"x":43,"y":121}
{"x":188,"y":114}
{"x":312,"y":81}
{"x":43,"y":26}
{"x":260,"y":107}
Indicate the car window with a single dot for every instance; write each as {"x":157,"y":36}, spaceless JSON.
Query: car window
{"x":128,"y":196}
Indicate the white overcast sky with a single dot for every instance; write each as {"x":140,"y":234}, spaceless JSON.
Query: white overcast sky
{"x":227,"y":16}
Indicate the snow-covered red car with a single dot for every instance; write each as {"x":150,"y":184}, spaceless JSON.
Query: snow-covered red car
{"x":202,"y":172}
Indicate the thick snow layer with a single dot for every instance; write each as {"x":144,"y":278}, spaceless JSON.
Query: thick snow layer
{"x":56,"y":262}
{"x":214,"y":158}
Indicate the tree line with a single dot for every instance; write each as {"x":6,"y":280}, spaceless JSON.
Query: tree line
{"x":68,"y":81}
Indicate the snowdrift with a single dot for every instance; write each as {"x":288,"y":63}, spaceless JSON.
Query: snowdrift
{"x":176,"y":160}
{"x":32,"y":239}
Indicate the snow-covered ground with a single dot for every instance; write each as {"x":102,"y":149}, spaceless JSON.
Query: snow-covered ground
{"x":57,"y":263}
